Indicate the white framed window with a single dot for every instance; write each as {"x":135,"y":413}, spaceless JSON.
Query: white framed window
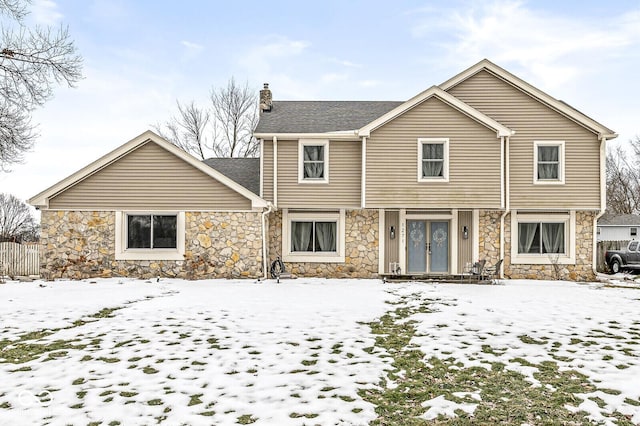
{"x":313,"y":161}
{"x":543,"y":238}
{"x":313,"y":236}
{"x":433,"y":160}
{"x":548,"y":162}
{"x":150,"y":235}
{"x":633,"y":232}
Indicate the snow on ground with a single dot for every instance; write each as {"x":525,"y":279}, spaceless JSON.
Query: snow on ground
{"x":223,"y":351}
{"x":590,"y":329}
{"x":185,"y":350}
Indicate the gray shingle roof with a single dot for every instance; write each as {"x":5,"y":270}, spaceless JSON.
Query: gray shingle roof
{"x":619,"y":220}
{"x":244,"y":171}
{"x":321,"y":116}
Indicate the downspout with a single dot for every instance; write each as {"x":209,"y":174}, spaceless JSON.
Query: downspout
{"x":363,"y":178}
{"x":505,"y":149}
{"x":275,"y":171}
{"x":603,"y":202}
{"x":265,"y":261}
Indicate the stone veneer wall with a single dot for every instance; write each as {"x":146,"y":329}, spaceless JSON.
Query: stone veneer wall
{"x":361,"y":248}
{"x":581,"y":271}
{"x":80,"y":244}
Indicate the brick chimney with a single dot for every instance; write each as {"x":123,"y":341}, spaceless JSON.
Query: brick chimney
{"x":265,"y":99}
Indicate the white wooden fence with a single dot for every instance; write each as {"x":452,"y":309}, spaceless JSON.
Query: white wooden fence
{"x":19,"y":259}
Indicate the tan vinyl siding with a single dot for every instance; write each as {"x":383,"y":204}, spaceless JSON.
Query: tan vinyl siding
{"x":534,"y":121}
{"x":267,"y":170}
{"x":465,"y":246}
{"x":392,"y":161}
{"x":343,"y":189}
{"x":392,"y":248}
{"x":150,"y":178}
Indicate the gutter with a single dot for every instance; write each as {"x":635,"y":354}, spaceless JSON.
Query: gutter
{"x":265,"y":261}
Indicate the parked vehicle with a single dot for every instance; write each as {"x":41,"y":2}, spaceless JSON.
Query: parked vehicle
{"x":628,"y":258}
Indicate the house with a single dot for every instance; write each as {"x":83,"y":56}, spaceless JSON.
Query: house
{"x":483,"y":166}
{"x":622,"y":227}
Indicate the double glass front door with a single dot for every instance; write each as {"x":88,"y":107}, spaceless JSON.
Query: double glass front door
{"x":427,"y":246}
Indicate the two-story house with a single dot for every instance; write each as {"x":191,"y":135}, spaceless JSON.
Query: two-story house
{"x":483,"y":166}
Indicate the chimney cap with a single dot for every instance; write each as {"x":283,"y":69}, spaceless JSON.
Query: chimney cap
{"x":266,"y":85}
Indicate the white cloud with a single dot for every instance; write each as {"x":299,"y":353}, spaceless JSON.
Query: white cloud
{"x":345,"y":63}
{"x":191,"y":49}
{"x":45,"y":12}
{"x":266,"y":56}
{"x":552,"y":49}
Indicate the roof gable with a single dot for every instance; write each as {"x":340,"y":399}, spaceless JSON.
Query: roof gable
{"x":42,"y":199}
{"x":560,"y":106}
{"x":619,"y":220}
{"x":447,"y":98}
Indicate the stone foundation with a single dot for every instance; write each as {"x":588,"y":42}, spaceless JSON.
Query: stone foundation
{"x":361,"y":248}
{"x":78,"y":244}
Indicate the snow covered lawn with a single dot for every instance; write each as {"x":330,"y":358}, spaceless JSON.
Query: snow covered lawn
{"x":313,"y":351}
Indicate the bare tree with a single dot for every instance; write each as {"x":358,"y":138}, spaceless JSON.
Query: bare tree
{"x":234,"y":108}
{"x":224,"y":129}
{"x":32,"y":61}
{"x":623,"y":180}
{"x":187,"y":129}
{"x":16,"y":221}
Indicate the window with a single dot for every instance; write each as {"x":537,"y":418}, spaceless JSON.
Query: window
{"x":313,"y":164}
{"x":633,"y":246}
{"x":151,"y":231}
{"x":633,"y":232}
{"x":313,"y":236}
{"x":541,"y":238}
{"x":433,"y":159}
{"x":548,"y":162}
{"x":150,"y":236}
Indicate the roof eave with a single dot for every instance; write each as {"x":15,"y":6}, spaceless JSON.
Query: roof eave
{"x":349,"y":135}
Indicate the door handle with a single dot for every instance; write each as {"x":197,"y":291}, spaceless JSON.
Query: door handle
{"x":429,"y":248}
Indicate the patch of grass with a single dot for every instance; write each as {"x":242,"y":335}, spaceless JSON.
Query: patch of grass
{"x":77,"y":406}
{"x":530,"y":340}
{"x":126,"y":394}
{"x":295,"y":415}
{"x":86,"y":358}
{"x":195,"y":399}
{"x":81,"y":394}
{"x":196,"y":362}
{"x":246,"y":419}
{"x":107,"y":393}
{"x":149,"y":370}
{"x":108,"y":360}
{"x":25,"y":368}
{"x":78,"y":381}
{"x":156,"y":401}
{"x":507,"y":398}
{"x":207,"y":413}
{"x":309,"y":362}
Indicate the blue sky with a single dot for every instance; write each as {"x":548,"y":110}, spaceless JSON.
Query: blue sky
{"x":140,"y":56}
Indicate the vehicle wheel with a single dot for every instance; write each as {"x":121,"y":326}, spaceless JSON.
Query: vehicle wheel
{"x":615,"y":266}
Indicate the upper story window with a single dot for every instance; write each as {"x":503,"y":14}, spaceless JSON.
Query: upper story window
{"x":433,"y":159}
{"x":633,"y":232}
{"x":548,"y":159}
{"x":313,"y":161}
